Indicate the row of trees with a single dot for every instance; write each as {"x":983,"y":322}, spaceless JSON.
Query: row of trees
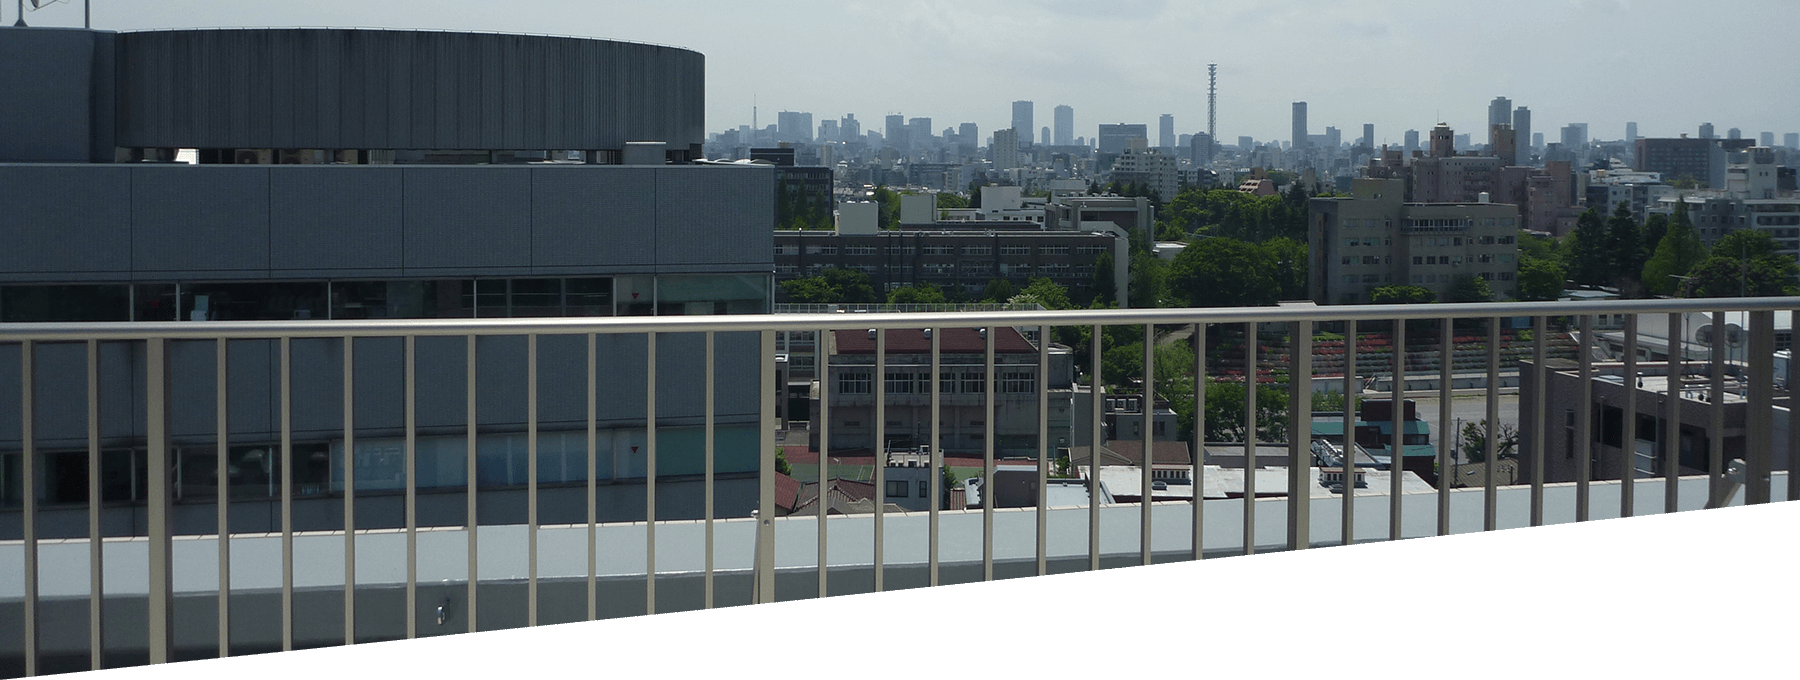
{"x":1662,"y":256}
{"x":1233,"y":214}
{"x":848,"y":286}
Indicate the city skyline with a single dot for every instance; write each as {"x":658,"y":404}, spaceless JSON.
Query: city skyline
{"x":1385,"y":63}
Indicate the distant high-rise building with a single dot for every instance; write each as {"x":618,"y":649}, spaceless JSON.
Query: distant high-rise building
{"x":918,"y":130}
{"x":1791,"y":140}
{"x":1368,"y":139}
{"x":896,"y":131}
{"x":1064,"y":134}
{"x":1299,"y":125}
{"x":1201,"y":147}
{"x":1246,"y":143}
{"x":1522,"y":134}
{"x":1766,"y":139}
{"x":1734,"y":133}
{"x":1443,"y":141}
{"x":1631,"y":134}
{"x":1021,"y":121}
{"x":1115,"y":136}
{"x":848,"y":128}
{"x":1504,"y":144}
{"x":1412,"y":140}
{"x":1005,"y":151}
{"x":1334,"y":138}
{"x":1537,"y":140}
{"x":1165,"y":131}
{"x":828,"y":130}
{"x":1706,"y":131}
{"x":1574,"y":137}
{"x":794,"y":126}
{"x":1044,"y":135}
{"x":1499,"y":113}
{"x":969,"y":134}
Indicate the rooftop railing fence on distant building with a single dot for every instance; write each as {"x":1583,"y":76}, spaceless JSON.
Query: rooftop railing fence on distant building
{"x":577,"y":570}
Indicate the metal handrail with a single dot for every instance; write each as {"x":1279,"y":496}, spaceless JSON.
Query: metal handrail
{"x":213,"y":330}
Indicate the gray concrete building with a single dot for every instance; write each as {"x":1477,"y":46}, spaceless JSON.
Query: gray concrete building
{"x":1374,"y":238}
{"x":347,"y":174}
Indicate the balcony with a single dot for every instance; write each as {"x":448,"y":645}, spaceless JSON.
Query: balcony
{"x":550,"y":548}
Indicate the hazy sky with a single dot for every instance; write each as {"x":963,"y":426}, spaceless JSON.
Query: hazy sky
{"x":1400,"y":64}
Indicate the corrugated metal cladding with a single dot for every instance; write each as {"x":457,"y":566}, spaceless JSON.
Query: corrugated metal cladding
{"x":373,"y":89}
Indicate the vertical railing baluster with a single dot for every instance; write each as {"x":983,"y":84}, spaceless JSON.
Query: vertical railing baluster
{"x":1300,"y":479}
{"x":822,"y":505}
{"x":1628,"y":437}
{"x":1043,"y":436}
{"x":1097,"y":394}
{"x":711,"y":448}
{"x":1793,"y":440}
{"x":1146,"y":482}
{"x":1538,"y":420}
{"x":161,"y":567}
{"x":593,"y":475}
{"x":650,"y":469}
{"x":96,"y":555}
{"x":28,"y":501}
{"x":1249,"y":438}
{"x":988,"y":487}
{"x":1397,"y":442}
{"x":1671,"y":434}
{"x":1584,"y":420}
{"x":936,"y":475}
{"x":1199,"y":453}
{"x":1759,"y":419}
{"x":1490,"y":517}
{"x":471,"y":484}
{"x":1352,"y":389}
{"x":765,"y":519}
{"x":1715,"y":430}
{"x":222,"y":469}
{"x":412,"y":486}
{"x":531,"y":480}
{"x":1446,"y":465}
{"x":349,"y":490}
{"x":287,"y":494}
{"x":879,"y":450}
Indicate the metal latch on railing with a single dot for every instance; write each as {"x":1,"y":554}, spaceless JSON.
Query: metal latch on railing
{"x":1733,"y":480}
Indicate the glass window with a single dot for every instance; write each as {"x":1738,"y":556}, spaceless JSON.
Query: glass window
{"x":853,"y":382}
{"x":899,"y":383}
{"x":24,"y":304}
{"x":254,"y":301}
{"x":973,"y":382}
{"x":397,"y":299}
{"x":536,"y":297}
{"x":713,"y":294}
{"x":588,"y":297}
{"x":636,"y":295}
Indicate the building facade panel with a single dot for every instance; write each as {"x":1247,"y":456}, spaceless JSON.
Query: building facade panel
{"x":323,"y":218}
{"x":573,"y":233}
{"x":458,"y":219}
{"x":194,"y":219}
{"x":699,"y":211}
{"x":67,"y":220}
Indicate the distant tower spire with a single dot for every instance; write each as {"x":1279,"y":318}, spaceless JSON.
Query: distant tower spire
{"x":1212,"y":102}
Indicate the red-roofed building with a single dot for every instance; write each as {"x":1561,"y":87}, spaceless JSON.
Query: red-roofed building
{"x":850,"y":384}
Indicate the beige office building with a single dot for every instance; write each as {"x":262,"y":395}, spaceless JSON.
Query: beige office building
{"x":1374,"y":238}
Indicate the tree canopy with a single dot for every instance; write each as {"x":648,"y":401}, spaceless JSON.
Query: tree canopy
{"x":832,"y":286}
{"x":916,"y":294}
{"x":1676,"y":254}
{"x":1401,"y":295}
{"x":1744,"y":263}
{"x":1227,"y":272}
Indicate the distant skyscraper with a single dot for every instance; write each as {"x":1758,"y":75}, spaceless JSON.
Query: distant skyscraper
{"x":1334,"y":138}
{"x":1044,"y":135}
{"x":1064,"y":134}
{"x":1005,"y":151}
{"x":1766,"y":139}
{"x":1165,"y":131}
{"x":1631,"y":135}
{"x":828,"y":130}
{"x":1498,"y":114}
{"x":1369,"y":135}
{"x":1574,"y":137}
{"x":969,"y":134}
{"x":1706,"y":131}
{"x":1021,"y":121}
{"x":1522,"y":134}
{"x":1246,"y":143}
{"x":1299,"y":125}
{"x":918,"y":130}
{"x":1412,"y":140}
{"x":794,"y":126}
{"x":1201,"y":147}
{"x":1113,"y":137}
{"x":848,"y":128}
{"x":1734,"y":133}
{"x":1791,"y":140}
{"x":895,"y":130}
{"x":1537,"y":140}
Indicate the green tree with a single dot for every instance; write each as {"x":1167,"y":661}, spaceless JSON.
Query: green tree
{"x":1679,"y":251}
{"x":998,"y":290}
{"x":1225,"y":412}
{"x":1540,"y":279}
{"x":1401,"y":295}
{"x":1744,"y":263}
{"x":1291,"y":266}
{"x":1105,"y":288}
{"x":1589,"y":260}
{"x":1470,"y":289}
{"x":1049,"y":294}
{"x":1224,"y":272}
{"x":1625,"y":251}
{"x":1148,"y":284}
{"x":949,"y":200}
{"x":832,"y":286}
{"x":888,"y":208}
{"x":1474,"y":441}
{"x":916,"y":294}
{"x":781,"y":462}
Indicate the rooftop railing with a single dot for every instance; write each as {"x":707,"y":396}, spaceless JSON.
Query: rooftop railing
{"x":438,"y":576}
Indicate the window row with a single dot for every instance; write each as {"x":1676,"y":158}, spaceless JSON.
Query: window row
{"x":949,"y":382}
